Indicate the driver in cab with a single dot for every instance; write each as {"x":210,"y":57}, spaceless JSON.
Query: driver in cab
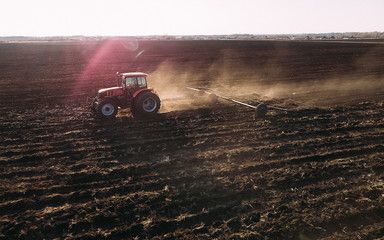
{"x":130,"y":85}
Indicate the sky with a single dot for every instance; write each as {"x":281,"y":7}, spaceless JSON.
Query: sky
{"x":181,"y":17}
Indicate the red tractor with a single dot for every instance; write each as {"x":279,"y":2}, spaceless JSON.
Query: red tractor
{"x":132,"y":92}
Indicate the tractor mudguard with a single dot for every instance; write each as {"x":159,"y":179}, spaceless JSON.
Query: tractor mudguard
{"x":110,"y":98}
{"x":141,"y":90}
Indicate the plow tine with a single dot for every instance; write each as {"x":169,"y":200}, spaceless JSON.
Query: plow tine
{"x":202,"y":89}
{"x":278,"y":108}
{"x":235,"y":101}
{"x":259,"y":102}
{"x":226,"y":98}
{"x":194,"y":89}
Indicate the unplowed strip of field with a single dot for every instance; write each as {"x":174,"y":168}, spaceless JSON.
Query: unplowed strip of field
{"x":216,"y":171}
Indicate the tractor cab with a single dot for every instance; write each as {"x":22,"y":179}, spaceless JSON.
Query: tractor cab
{"x":131,"y":82}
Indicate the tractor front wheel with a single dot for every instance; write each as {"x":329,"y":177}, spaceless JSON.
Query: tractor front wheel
{"x":107,"y":109}
{"x":147,"y":103}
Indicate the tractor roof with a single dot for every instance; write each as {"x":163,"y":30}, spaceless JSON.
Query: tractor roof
{"x":133,"y":74}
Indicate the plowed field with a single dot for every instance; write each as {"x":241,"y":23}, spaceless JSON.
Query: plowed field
{"x":196,"y":170}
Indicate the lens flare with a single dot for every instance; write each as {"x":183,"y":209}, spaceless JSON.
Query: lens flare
{"x":130,"y":44}
{"x":141,"y":52}
{"x":99,"y":65}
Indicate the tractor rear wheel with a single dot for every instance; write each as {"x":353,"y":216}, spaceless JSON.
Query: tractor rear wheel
{"x":147,"y":103}
{"x":107,"y":109}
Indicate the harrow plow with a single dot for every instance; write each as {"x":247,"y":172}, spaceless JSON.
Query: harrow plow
{"x":261,"y":108}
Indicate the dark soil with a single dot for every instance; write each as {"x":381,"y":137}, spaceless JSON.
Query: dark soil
{"x":196,"y":170}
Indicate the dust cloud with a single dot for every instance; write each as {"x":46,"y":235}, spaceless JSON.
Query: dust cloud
{"x":231,"y":75}
{"x":170,"y":84}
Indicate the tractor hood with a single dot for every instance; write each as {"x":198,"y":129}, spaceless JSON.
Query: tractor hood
{"x":110,"y":92}
{"x":110,"y":89}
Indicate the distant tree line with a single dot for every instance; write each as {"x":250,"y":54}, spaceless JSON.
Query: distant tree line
{"x":309,"y":36}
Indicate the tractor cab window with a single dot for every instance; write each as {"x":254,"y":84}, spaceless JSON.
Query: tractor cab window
{"x":130,"y":82}
{"x":141,"y":82}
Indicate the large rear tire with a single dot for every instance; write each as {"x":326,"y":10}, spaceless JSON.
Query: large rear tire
{"x":147,"y":103}
{"x":107,"y":109}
